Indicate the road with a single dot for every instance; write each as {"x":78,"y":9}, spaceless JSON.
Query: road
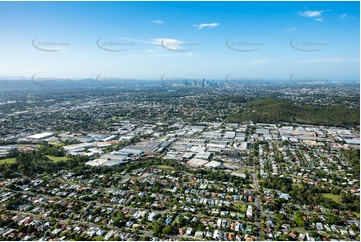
{"x":256,"y":201}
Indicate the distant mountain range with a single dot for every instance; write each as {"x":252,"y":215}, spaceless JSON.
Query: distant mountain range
{"x":23,"y":83}
{"x":14,"y":78}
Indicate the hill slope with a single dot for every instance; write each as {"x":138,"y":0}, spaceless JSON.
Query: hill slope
{"x":278,"y":110}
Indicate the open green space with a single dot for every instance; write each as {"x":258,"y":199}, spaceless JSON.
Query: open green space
{"x":333,"y":197}
{"x":165,"y":167}
{"x":7,"y":161}
{"x":241,"y":171}
{"x":57,"y":158}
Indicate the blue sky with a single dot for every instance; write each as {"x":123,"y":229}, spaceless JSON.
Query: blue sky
{"x":145,"y":40}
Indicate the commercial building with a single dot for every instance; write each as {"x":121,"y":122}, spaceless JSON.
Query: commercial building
{"x":40,"y":136}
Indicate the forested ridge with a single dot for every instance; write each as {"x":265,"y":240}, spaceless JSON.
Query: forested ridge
{"x":277,"y":110}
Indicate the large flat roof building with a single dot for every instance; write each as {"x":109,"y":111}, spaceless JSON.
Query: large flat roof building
{"x":41,"y":136}
{"x":197,"y":162}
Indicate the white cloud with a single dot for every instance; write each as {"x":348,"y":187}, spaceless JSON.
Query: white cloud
{"x":348,"y":17}
{"x":316,"y":15}
{"x":205,"y":25}
{"x":157,"y":21}
{"x":137,"y":41}
{"x":164,"y":43}
{"x":311,"y":14}
{"x":290,"y":29}
{"x":171,"y":44}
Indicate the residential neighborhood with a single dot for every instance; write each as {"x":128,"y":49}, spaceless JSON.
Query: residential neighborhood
{"x":213,"y":181}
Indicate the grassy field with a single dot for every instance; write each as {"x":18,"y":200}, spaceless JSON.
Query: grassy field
{"x":28,"y":145}
{"x":165,"y":167}
{"x":57,"y":158}
{"x":240,"y":207}
{"x":333,"y":197}
{"x":242,"y":171}
{"x":8,"y":161}
{"x":56,"y":143}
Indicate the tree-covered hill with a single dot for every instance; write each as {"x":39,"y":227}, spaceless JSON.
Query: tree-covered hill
{"x":278,"y":110}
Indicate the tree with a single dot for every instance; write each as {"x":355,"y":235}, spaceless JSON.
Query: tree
{"x":157,"y":228}
{"x":167,"y":230}
{"x":281,"y":216}
{"x":119,"y":222}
